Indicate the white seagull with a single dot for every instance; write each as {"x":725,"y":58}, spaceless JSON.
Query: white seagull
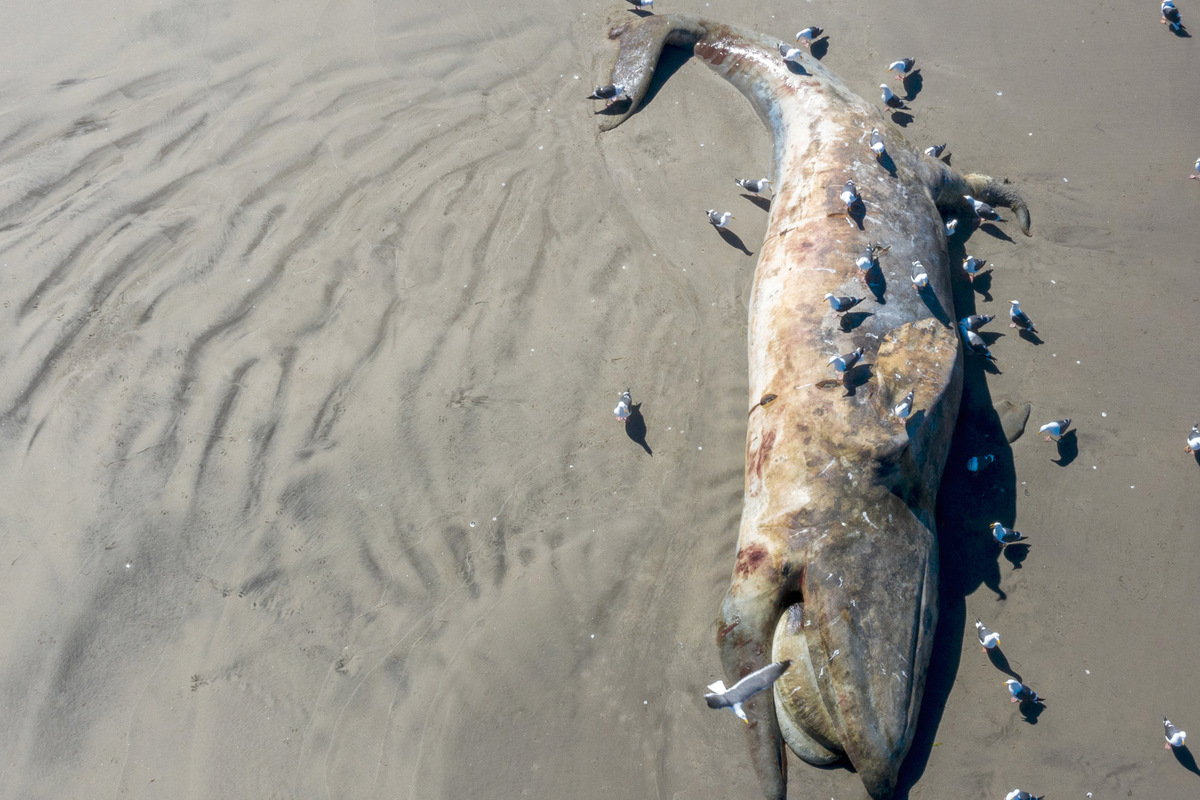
{"x":840,"y":304}
{"x":1005,"y":535}
{"x":1056,"y":429}
{"x":621,"y":412}
{"x":1022,"y":693}
{"x":877,"y":146}
{"x":901,"y":67}
{"x":920,"y":277}
{"x":1174,"y":736}
{"x":1019,"y":318}
{"x":846,"y":362}
{"x":719,"y":218}
{"x":904,"y":408}
{"x":733,"y":697}
{"x":1193,"y":440}
{"x":809,"y":35}
{"x":987,"y":637}
{"x":753,"y":186}
{"x":889,"y":97}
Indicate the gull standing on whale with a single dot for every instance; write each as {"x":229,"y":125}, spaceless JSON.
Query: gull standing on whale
{"x":733,"y":697}
{"x":845,"y":363}
{"x":840,"y":304}
{"x":904,"y":407}
{"x":982,"y":210}
{"x":790,"y":53}
{"x":612,"y":93}
{"x":935,"y":151}
{"x":1174,"y":736}
{"x":877,"y":146}
{"x":920,"y":276}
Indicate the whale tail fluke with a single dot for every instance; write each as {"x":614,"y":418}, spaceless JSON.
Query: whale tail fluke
{"x":998,"y":192}
{"x":641,"y":43}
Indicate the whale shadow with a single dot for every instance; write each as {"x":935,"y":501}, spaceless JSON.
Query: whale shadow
{"x":902,"y":118}
{"x":853,"y":319}
{"x":758,"y":200}
{"x":1000,"y":662}
{"x":966,"y":550}
{"x":912,"y":83}
{"x":819,"y":48}
{"x":1068,"y":449}
{"x":635,"y":427}
{"x":733,"y":240}
{"x":1185,"y":758}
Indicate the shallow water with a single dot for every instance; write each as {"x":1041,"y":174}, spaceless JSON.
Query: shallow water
{"x":312,"y":325}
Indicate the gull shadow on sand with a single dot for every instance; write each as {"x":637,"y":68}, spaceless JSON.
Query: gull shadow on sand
{"x":902,"y":118}
{"x":1016,"y":554}
{"x":1030,"y":711}
{"x":641,"y":12}
{"x":1030,"y":336}
{"x":983,"y":285}
{"x":819,"y":48}
{"x":991,"y":230}
{"x":1181,"y":33}
{"x":733,"y":240}
{"x":1068,"y":448}
{"x":635,"y":427}
{"x":1000,"y":662}
{"x":853,"y":319}
{"x":913,"y":83}
{"x":759,"y":201}
{"x":966,"y":505}
{"x":1185,"y":758}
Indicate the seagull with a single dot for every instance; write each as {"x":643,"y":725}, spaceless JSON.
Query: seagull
{"x":935,"y":151}
{"x":987,"y":637}
{"x":950,"y":226}
{"x":975,"y":321}
{"x":719,"y":218}
{"x":612,"y":93}
{"x":849,"y":194}
{"x":869,"y":257}
{"x":621,"y":412}
{"x":1055,"y":429}
{"x":1170,"y":16}
{"x":971,"y":266}
{"x":877,"y":142}
{"x":846,"y":362}
{"x":920,"y":278}
{"x":753,"y":186}
{"x":733,"y":697}
{"x":976,"y":344}
{"x":901,"y":67}
{"x":1196,"y":166}
{"x":1022,"y":693}
{"x":1174,"y":736}
{"x":792,"y":54}
{"x":840,"y":304}
{"x":809,"y":35}
{"x":982,"y":209}
{"x":1005,"y":535}
{"x":890,"y":99}
{"x":977,"y":463}
{"x":1017,"y":794}
{"x":1193,"y":440}
{"x":1019,"y":318}
{"x":642,"y":3}
{"x":904,"y":408}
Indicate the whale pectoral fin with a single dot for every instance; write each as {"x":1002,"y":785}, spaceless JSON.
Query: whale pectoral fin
{"x":641,"y":44}
{"x":803,"y":717}
{"x":919,"y":357}
{"x":998,"y":192}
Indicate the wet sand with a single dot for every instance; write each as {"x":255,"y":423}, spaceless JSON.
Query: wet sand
{"x":312,"y":325}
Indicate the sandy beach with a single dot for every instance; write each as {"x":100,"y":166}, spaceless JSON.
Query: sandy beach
{"x":313,"y":320}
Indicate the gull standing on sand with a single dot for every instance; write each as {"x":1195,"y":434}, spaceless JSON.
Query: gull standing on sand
{"x":840,"y":304}
{"x":622,"y":411}
{"x":920,"y":276}
{"x":1193,"y":440}
{"x":1017,"y":794}
{"x":976,"y":344}
{"x":753,"y":186}
{"x":1056,"y":429}
{"x":901,"y":67}
{"x":719,"y":218}
{"x":1005,"y":535}
{"x":889,"y":97}
{"x":935,"y":151}
{"x":1170,"y":15}
{"x":733,"y":697}
{"x":877,"y":146}
{"x":971,"y":266}
{"x":904,"y":408}
{"x":1022,"y":693}
{"x":809,"y":35}
{"x":1196,"y":167}
{"x":987,"y":637}
{"x":846,"y":362}
{"x":1174,"y":736}
{"x":1019,"y":318}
